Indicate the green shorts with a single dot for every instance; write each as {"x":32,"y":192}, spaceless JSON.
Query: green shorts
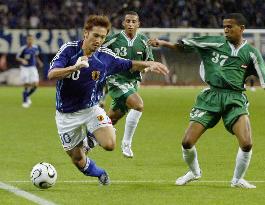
{"x":120,"y":90}
{"x":212,"y":104}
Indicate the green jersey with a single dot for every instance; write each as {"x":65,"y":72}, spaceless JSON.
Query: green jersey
{"x":133,"y":49}
{"x":224,"y":65}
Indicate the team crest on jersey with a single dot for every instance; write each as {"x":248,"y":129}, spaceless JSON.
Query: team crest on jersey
{"x":95,"y":75}
{"x":100,"y":118}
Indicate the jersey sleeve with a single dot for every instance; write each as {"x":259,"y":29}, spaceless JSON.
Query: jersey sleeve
{"x":202,"y":42}
{"x":61,"y":59}
{"x":148,"y":50}
{"x":259,"y":65}
{"x":109,"y":40}
{"x":114,"y":63}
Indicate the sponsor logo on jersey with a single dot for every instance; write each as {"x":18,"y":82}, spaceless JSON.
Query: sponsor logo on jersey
{"x":139,"y":52}
{"x":100,"y":118}
{"x":95,"y":75}
{"x":244,"y":66}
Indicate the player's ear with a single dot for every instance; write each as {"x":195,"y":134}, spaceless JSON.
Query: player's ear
{"x":123,"y":23}
{"x":242,"y":27}
{"x":85,"y":34}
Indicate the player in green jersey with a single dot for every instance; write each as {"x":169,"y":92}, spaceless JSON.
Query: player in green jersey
{"x":226,"y":62}
{"x":122,"y":87}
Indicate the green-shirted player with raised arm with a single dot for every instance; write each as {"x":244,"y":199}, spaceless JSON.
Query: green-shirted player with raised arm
{"x":122,"y":87}
{"x":226,"y":61}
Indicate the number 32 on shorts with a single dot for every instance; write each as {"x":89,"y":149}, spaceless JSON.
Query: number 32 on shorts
{"x":196,"y":113}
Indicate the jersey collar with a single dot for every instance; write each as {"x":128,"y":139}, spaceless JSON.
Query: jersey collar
{"x":130,"y":42}
{"x":236,"y":50}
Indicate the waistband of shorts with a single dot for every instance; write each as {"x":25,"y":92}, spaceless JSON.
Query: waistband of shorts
{"x":225,"y":90}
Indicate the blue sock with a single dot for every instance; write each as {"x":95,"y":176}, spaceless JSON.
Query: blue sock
{"x":91,"y":169}
{"x":25,"y":95}
{"x":32,"y":90}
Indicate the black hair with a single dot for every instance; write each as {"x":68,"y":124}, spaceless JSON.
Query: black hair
{"x":240,"y":19}
{"x":131,"y":13}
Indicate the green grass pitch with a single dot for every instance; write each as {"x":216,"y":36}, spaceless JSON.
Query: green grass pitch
{"x":29,"y":136}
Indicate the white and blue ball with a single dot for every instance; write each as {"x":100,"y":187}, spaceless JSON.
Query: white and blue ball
{"x":43,"y":175}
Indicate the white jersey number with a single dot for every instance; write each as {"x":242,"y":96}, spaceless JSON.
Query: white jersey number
{"x":121,"y":52}
{"x":219,"y":58}
{"x":75,"y":75}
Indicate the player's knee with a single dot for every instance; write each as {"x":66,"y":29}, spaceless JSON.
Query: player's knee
{"x":139,"y":107}
{"x":110,"y":145}
{"x":246,"y":148}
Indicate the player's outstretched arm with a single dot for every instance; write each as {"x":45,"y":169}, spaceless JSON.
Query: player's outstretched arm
{"x":161,"y":43}
{"x":60,"y":73}
{"x":150,"y":66}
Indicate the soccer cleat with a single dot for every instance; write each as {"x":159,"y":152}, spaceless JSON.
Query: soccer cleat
{"x":188,"y":177}
{"x":126,"y":150}
{"x":242,"y":183}
{"x":25,"y":105}
{"x":104,"y":179}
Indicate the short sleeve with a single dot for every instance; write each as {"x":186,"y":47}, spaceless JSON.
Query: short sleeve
{"x":61,"y":59}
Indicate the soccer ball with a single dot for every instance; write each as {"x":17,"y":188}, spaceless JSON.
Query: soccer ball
{"x":43,"y":175}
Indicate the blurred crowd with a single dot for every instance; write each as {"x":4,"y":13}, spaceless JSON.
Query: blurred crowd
{"x":153,"y":13}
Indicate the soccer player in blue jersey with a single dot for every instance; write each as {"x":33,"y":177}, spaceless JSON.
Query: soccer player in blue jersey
{"x":81,"y":68}
{"x":28,"y":56}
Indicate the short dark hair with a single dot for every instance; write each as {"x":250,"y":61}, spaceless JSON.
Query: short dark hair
{"x":131,"y":13}
{"x":97,"y":20}
{"x":240,"y":19}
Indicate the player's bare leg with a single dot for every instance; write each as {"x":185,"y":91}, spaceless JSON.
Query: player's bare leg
{"x":192,"y":134}
{"x":242,"y":130}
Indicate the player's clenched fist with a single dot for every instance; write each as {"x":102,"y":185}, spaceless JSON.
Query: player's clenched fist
{"x":81,"y":63}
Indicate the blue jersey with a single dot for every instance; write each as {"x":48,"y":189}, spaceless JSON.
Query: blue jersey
{"x":84,"y":87}
{"x":29,"y":54}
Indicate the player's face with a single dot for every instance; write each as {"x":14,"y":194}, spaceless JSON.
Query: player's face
{"x":233,"y":31}
{"x":131,"y":24}
{"x":94,"y":38}
{"x":30,"y":40}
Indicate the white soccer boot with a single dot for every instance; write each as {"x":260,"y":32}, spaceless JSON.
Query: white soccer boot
{"x":242,"y":183}
{"x":126,"y":150}
{"x":188,"y":177}
{"x":25,"y":105}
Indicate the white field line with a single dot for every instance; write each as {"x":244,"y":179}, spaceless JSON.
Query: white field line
{"x":136,"y":181}
{"x":24,"y":194}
